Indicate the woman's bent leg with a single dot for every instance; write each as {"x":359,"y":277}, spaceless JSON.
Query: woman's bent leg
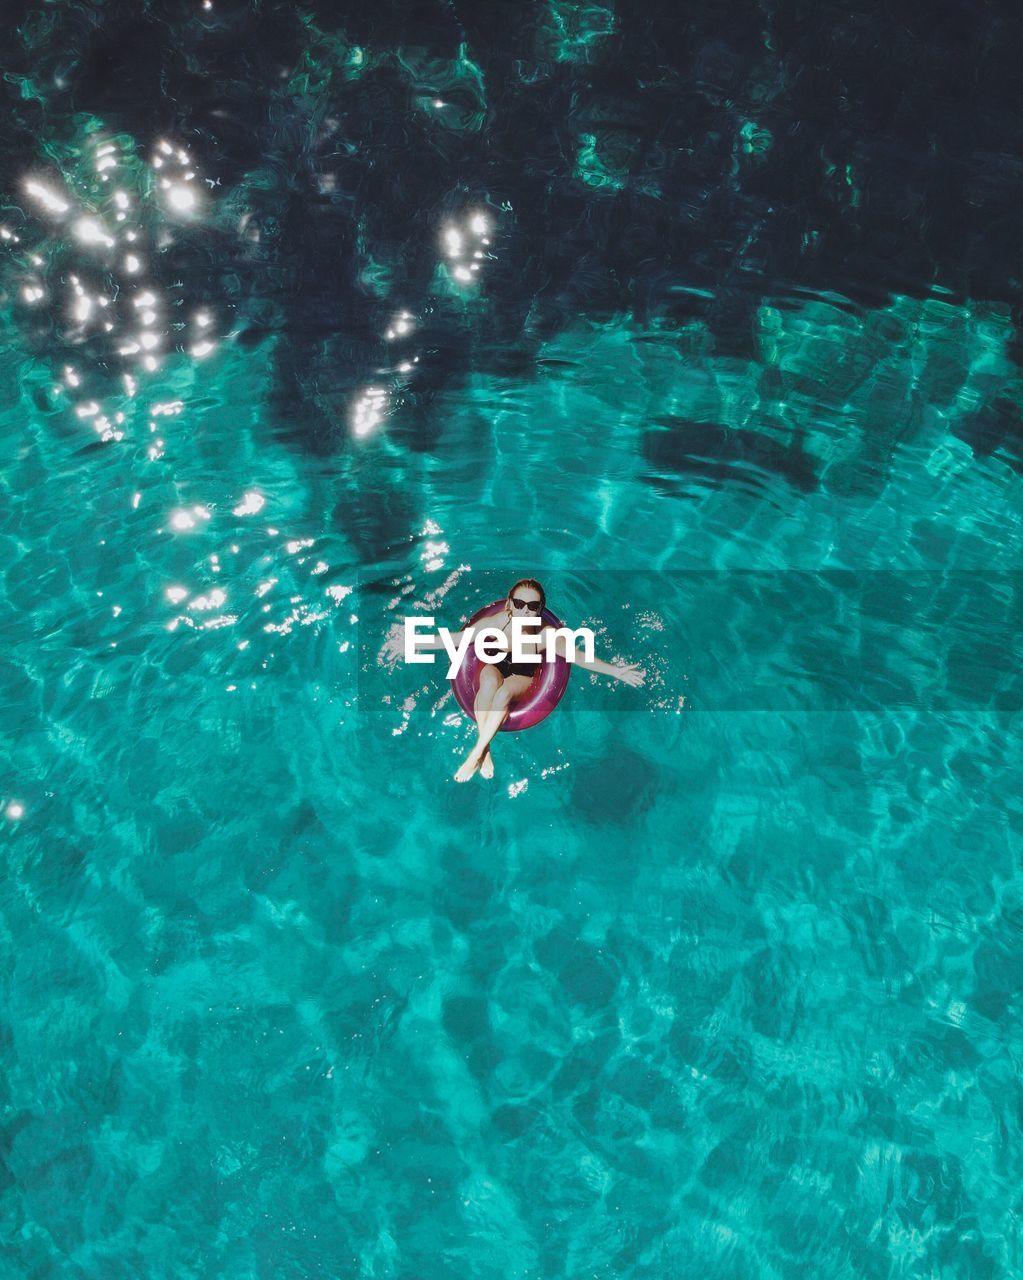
{"x":491,"y":712}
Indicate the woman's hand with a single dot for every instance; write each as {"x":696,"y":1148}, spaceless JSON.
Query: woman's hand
{"x":630,"y":673}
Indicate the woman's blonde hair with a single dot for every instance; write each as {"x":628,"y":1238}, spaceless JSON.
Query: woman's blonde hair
{"x":530,"y":582}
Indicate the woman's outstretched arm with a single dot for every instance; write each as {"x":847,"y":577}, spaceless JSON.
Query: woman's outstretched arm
{"x":629,"y":672}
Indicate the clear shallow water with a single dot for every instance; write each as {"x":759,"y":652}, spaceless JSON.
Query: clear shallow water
{"x":717,"y":977}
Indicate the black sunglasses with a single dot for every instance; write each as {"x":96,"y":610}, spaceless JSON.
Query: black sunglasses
{"x":533,"y":605}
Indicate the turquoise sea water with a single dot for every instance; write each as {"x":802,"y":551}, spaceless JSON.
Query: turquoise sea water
{"x":719,"y":977}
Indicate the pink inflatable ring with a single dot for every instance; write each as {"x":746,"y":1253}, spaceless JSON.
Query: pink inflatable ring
{"x":542,"y":695}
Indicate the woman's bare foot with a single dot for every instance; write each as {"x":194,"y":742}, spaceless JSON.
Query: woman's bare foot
{"x":487,"y":765}
{"x":468,"y":767}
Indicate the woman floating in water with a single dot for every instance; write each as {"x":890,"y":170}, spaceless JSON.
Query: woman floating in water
{"x":502,"y":682}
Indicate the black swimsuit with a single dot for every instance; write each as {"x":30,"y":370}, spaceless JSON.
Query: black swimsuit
{"x":509,"y":668}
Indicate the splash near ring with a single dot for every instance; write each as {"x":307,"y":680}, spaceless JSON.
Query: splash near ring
{"x":545,"y":691}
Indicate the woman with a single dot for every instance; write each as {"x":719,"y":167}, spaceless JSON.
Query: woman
{"x":504,"y":681}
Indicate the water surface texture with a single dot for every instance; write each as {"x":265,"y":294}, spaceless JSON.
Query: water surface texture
{"x":315,"y":315}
